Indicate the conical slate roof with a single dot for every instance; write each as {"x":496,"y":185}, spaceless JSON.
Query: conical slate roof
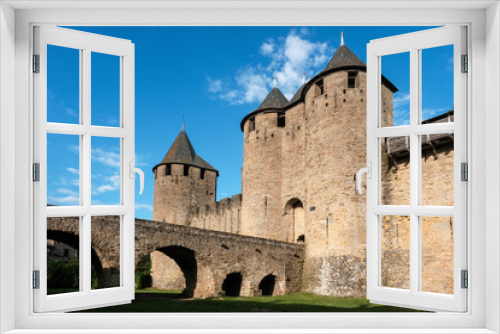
{"x":344,"y":57}
{"x":298,"y":94}
{"x":182,"y":152}
{"x":275,"y":99}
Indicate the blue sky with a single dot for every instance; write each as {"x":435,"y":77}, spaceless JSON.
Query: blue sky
{"x":213,"y":77}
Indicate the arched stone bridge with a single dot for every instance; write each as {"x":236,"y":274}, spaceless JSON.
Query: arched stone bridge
{"x":208,"y":259}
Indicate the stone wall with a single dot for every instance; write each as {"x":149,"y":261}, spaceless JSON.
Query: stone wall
{"x":261,"y":179}
{"x":222,"y":216}
{"x":176,"y":196}
{"x":165,"y":273}
{"x":437,"y":232}
{"x":205,"y":257}
{"x":320,"y":149}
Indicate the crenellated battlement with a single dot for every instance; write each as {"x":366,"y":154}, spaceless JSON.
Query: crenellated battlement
{"x":224,"y":215}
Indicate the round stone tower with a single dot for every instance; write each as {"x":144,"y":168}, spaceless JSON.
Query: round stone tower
{"x":261,"y":173}
{"x":300,"y":160}
{"x":184,"y":183}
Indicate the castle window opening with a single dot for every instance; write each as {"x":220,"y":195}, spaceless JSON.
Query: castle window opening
{"x":202,"y":174}
{"x":251,"y":124}
{"x":351,"y":79}
{"x":281,"y":120}
{"x":168,"y":169}
{"x":186,"y":170}
{"x":320,"y":87}
{"x":301,"y":239}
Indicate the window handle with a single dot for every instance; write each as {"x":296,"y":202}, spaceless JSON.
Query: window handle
{"x":368,"y":171}
{"x":134,"y":170}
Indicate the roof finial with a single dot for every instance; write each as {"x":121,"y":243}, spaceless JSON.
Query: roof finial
{"x":275,"y":82}
{"x":182,"y":122}
{"x":341,"y":38}
{"x":304,"y":78}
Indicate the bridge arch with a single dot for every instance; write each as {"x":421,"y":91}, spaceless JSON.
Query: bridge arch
{"x":185,"y":258}
{"x":267,"y":284}
{"x":72,"y":239}
{"x":232,"y":284}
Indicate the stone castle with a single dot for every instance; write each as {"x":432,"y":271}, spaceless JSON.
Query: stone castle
{"x":298,"y":186}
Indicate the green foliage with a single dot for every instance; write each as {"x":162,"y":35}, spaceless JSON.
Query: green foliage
{"x":93,"y":275}
{"x":66,"y":275}
{"x":156,"y":300}
{"x":143,"y":273}
{"x":63,"y":275}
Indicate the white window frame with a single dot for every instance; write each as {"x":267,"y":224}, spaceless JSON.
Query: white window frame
{"x":414,"y":43}
{"x":483,"y":125}
{"x":85,"y":43}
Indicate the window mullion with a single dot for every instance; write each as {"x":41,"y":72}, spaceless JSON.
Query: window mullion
{"x":86,"y":179}
{"x":414,"y":168}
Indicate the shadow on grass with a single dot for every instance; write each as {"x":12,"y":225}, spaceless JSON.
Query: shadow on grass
{"x":154,"y":300}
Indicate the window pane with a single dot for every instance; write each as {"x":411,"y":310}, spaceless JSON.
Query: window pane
{"x":437,"y":254}
{"x":437,"y":169}
{"x":395,"y":261}
{"x":395,"y":89}
{"x":105,"y":171}
{"x":105,"y":89}
{"x":63,"y":169}
{"x":395,"y":171}
{"x":63,"y":85}
{"x":105,"y":251}
{"x":437,"y":81}
{"x":63,"y":258}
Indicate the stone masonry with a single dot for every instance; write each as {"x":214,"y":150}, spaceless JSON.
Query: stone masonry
{"x":205,"y":257}
{"x":300,"y":159}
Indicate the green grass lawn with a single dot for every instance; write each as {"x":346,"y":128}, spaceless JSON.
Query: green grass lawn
{"x":155,"y":300}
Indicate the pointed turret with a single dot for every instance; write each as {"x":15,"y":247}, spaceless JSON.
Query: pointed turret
{"x":183,"y":182}
{"x":344,"y":57}
{"x":275,"y":99}
{"x":182,"y":152}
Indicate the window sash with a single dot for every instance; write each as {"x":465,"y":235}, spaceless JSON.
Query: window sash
{"x":413,"y":43}
{"x":86,"y":297}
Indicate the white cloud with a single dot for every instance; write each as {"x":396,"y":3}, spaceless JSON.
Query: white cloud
{"x":62,"y":181}
{"x":113,"y":121}
{"x":104,"y":188}
{"x":67,"y":191}
{"x":401,"y":99}
{"x":144,"y":206}
{"x":254,"y":86}
{"x":112,"y":185}
{"x":108,"y":158}
{"x":286,"y":59}
{"x":267,"y":47}
{"x":69,"y":200}
{"x":115,"y":180}
{"x":432,"y":112}
{"x":71,"y":112}
{"x":73,"y":170}
{"x":214,"y":86}
{"x":401,"y":109}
